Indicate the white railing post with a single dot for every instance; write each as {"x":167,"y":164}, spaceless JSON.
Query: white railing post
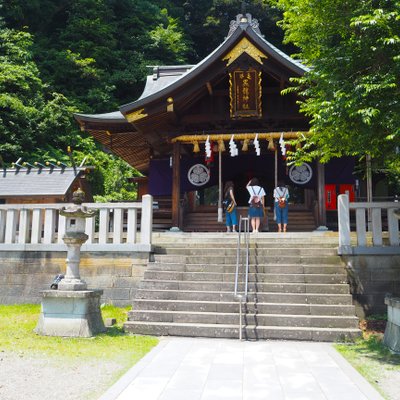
{"x":393,"y":226}
{"x":49,"y":225}
{"x":36,"y":233}
{"x":62,"y":223}
{"x":132,"y":225}
{"x":344,"y":222}
{"x":361,"y":227}
{"x":104,"y":222}
{"x":376,"y":216}
{"x":24,"y":225}
{"x":89,"y":229}
{"x":11,"y":226}
{"x":146,"y":222}
{"x":3,"y":214}
{"x":118,"y":225}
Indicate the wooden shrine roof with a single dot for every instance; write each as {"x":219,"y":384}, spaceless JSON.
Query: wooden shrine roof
{"x":145,"y":126}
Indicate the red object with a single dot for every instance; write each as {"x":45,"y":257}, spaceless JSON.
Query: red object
{"x":330,"y":197}
{"x":349,"y":190}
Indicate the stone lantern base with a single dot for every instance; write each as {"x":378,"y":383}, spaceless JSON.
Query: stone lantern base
{"x":70,"y":313}
{"x":392,"y":331}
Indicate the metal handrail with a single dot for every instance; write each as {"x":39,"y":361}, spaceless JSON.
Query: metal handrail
{"x":239,"y":262}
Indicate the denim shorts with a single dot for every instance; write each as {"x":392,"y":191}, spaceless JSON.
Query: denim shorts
{"x":231,"y":218}
{"x":281,"y":214}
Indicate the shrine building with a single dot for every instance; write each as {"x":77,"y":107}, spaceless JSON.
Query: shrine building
{"x":231,"y":102}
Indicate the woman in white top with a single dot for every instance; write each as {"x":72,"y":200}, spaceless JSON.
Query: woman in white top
{"x":256,"y":202}
{"x":281,"y":196}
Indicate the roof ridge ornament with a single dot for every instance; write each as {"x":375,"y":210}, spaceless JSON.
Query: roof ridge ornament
{"x":243,"y":20}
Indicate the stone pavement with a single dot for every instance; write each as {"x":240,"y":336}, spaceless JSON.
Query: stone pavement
{"x":213,"y":369}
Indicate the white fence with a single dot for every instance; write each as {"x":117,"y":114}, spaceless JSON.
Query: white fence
{"x":34,"y":227}
{"x":370,"y":219}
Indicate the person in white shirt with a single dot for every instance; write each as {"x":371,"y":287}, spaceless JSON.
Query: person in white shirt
{"x":281,"y":196}
{"x":256,"y":202}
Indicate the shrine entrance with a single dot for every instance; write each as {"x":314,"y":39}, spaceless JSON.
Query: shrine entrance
{"x":235,"y":100}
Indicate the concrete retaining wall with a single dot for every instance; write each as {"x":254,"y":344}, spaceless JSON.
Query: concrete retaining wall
{"x":23,"y":274}
{"x":371,"y":278}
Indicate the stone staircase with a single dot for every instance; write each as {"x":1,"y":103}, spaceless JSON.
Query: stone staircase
{"x":297,"y":289}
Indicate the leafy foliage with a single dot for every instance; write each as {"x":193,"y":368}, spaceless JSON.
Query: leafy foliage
{"x":351,"y":92}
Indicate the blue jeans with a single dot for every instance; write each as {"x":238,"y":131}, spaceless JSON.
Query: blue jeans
{"x":231,"y":218}
{"x":281,"y":213}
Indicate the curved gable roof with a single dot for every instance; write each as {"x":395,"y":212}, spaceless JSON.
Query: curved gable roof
{"x":154,"y":91}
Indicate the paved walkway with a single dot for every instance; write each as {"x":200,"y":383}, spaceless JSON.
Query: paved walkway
{"x":214,"y":369}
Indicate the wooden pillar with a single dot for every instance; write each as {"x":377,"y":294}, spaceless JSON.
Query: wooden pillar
{"x":321,"y":195}
{"x":369,"y":189}
{"x":176,"y":184}
{"x":220,"y":217}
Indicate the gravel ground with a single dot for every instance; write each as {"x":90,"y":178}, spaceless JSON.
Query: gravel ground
{"x":390,"y":384}
{"x":44,"y":378}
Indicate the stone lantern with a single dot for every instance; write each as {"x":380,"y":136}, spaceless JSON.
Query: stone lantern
{"x":72,"y":310}
{"x":74,"y":237}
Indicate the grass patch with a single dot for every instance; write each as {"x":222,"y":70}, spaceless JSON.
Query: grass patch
{"x":372,"y":359}
{"x":16,"y":334}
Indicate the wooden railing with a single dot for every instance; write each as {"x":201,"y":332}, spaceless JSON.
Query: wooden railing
{"x":115,"y":227}
{"x":370,"y":221}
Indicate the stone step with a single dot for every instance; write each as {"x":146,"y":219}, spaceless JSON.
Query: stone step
{"x":232,"y":331}
{"x":253,"y":259}
{"x":233,"y":307}
{"x":232,"y":244}
{"x":210,"y":237}
{"x":318,"y":321}
{"x":265,"y":297}
{"x":254,"y":287}
{"x":253,"y":277}
{"x":282,"y":269}
{"x":259,"y":251}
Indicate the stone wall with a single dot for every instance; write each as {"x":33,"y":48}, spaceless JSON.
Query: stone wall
{"x":371,"y":278}
{"x":24,"y":274}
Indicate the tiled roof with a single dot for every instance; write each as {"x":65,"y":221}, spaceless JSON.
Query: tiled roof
{"x":36,"y":182}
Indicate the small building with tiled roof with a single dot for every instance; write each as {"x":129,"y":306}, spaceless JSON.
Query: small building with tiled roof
{"x":42,"y":185}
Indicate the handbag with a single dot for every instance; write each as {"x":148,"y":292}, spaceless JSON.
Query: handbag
{"x":282,"y":200}
{"x":230,"y":207}
{"x":256,"y":199}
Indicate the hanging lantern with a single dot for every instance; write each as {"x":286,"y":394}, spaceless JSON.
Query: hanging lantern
{"x":245,"y":145}
{"x":221,"y":145}
{"x":271,"y":144}
{"x":196,"y":148}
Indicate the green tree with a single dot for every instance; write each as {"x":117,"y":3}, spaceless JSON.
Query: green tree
{"x":351,"y":92}
{"x":206,"y":22}
{"x":25,"y":102}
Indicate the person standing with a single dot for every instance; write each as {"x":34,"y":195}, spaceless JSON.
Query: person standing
{"x":281,"y":208}
{"x":230,"y":212}
{"x":256,"y":202}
